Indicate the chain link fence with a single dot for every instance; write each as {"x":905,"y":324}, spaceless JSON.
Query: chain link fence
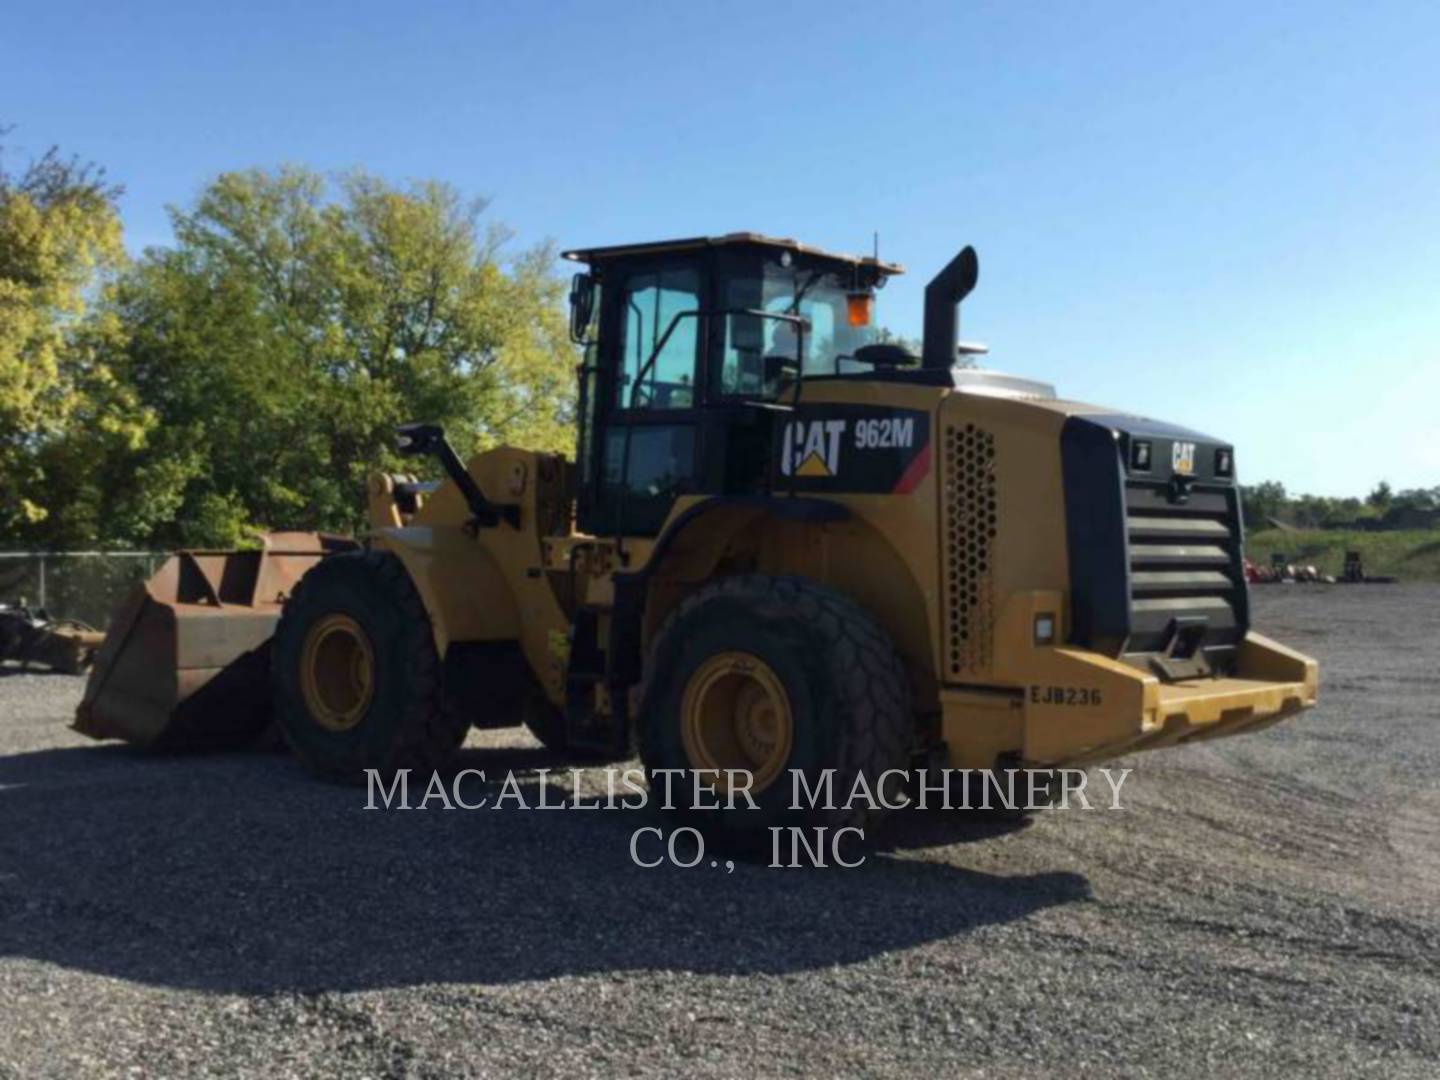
{"x":83,"y":585}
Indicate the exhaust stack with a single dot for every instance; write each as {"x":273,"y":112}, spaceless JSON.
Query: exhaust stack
{"x":942,"y":308}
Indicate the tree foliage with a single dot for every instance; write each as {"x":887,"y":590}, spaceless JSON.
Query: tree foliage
{"x":1382,"y":508}
{"x":272,"y":350}
{"x":296,"y":323}
{"x":60,"y":401}
{"x":1262,"y":503}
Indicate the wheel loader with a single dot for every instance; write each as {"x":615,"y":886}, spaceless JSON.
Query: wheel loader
{"x":784,"y":546}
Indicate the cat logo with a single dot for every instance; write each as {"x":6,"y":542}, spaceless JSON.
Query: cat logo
{"x":811,"y":448}
{"x":1182,"y":458}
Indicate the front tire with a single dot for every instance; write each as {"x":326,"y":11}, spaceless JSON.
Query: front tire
{"x":777,"y":676}
{"x":357,"y":681}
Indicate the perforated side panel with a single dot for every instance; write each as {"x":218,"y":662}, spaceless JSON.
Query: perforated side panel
{"x":969,"y":495}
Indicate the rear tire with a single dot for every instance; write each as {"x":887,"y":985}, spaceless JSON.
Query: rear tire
{"x":357,"y":681}
{"x":753,"y":647}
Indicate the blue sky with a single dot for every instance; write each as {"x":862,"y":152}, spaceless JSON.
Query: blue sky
{"x":1221,"y":214}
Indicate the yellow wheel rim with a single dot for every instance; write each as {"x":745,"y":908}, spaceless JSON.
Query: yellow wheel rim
{"x":736,"y":715}
{"x":337,"y":672}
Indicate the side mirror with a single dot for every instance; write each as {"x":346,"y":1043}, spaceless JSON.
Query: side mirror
{"x":582,"y":307}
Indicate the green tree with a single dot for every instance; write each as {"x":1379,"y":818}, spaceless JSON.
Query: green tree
{"x":297,"y":320}
{"x":1261,"y":502}
{"x":61,"y":406}
{"x":1379,"y":498}
{"x":1417,"y":499}
{"x":1321,"y":511}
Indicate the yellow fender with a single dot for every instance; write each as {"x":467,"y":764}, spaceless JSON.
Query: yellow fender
{"x":464,"y":590}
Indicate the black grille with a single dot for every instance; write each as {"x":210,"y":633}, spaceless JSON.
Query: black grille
{"x":1186,"y":566}
{"x":1156,"y":565}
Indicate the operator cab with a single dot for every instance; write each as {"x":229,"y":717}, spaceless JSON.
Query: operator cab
{"x":691,"y":349}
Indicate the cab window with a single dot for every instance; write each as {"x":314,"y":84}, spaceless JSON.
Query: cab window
{"x":651,"y":302}
{"x":761,"y":355}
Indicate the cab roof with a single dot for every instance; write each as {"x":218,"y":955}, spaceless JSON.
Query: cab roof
{"x":618,"y":251}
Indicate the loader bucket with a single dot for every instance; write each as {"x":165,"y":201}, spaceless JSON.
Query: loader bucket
{"x":185,"y":663}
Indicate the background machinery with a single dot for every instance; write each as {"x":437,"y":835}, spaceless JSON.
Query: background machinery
{"x":782,"y":545}
{"x":32,"y":636}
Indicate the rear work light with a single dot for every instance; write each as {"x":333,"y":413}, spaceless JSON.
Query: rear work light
{"x":1140,"y":455}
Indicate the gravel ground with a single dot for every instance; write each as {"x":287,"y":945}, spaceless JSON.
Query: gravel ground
{"x":1264,"y":904}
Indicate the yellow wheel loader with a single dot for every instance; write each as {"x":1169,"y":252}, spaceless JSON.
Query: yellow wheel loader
{"x":784,"y":546}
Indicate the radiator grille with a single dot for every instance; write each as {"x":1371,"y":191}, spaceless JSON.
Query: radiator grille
{"x":970,"y":506}
{"x":1185,"y":561}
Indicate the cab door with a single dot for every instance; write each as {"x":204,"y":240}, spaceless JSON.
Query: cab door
{"x":648,"y":398}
